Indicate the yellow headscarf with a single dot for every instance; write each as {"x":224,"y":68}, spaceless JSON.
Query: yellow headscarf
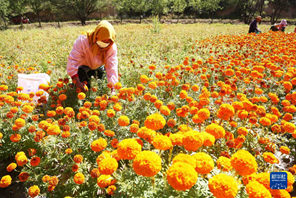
{"x":103,"y":31}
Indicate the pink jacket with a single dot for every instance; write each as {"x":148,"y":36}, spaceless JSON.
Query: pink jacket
{"x":81,"y":55}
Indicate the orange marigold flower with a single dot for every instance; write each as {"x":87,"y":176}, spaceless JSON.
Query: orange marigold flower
{"x":244,"y":163}
{"x":33,"y":191}
{"x":209,"y":139}
{"x":146,"y":134}
{"x":224,"y":164}
{"x":35,"y":161}
{"x":192,"y":140}
{"x":203,"y":113}
{"x":134,"y":128}
{"x":177,"y":139}
{"x":15,"y":137}
{"x":81,"y":96}
{"x":104,"y":180}
{"x":5,"y":181}
{"x":53,"y":130}
{"x":165,"y":110}
{"x":289,"y":127}
{"x":204,"y":163}
{"x":79,"y":178}
{"x":242,"y":131}
{"x":95,"y":173}
{"x":155,"y":122}
{"x":225,"y":112}
{"x":78,"y":158}
{"x":23,"y":176}
{"x":128,"y":149}
{"x":108,"y":166}
{"x":21,"y":158}
{"x":285,"y":150}
{"x":162,"y":142}
{"x":123,"y":121}
{"x":54,"y":180}
{"x":110,"y":113}
{"x":265,"y":121}
{"x":181,"y":176}
{"x":216,"y":130}
{"x":20,"y":122}
{"x":270,"y":158}
{"x":98,"y":145}
{"x":110,"y":190}
{"x":11,"y":167}
{"x":147,"y":163}
{"x":171,"y":123}
{"x":185,"y":158}
{"x":223,"y":186}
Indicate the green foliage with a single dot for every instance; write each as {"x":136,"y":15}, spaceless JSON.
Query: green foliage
{"x":4,"y":10}
{"x":205,"y":6}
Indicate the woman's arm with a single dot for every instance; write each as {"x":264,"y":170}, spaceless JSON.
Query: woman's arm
{"x":75,"y":57}
{"x":112,"y":65}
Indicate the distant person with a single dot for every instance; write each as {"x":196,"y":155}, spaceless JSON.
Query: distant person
{"x":279,"y":27}
{"x":92,"y":55}
{"x":254,"y":26}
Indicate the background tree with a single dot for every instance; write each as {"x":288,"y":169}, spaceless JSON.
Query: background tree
{"x":140,"y":7}
{"x":178,"y":7}
{"x":206,"y":7}
{"x":81,"y":9}
{"x":261,"y":6}
{"x":158,"y":7}
{"x":277,"y":6}
{"x":18,"y":8}
{"x":37,"y":6}
{"x":4,"y":10}
{"x":122,"y":7}
{"x":247,"y":10}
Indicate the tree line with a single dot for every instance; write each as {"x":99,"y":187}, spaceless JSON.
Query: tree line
{"x":83,"y":9}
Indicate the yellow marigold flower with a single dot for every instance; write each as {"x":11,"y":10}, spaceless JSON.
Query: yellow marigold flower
{"x":128,"y":149}
{"x":257,"y":190}
{"x":123,"y":121}
{"x":270,"y":158}
{"x":146,"y":134}
{"x":185,"y":158}
{"x":110,"y":113}
{"x":242,"y":131}
{"x":223,"y":186}
{"x":225,"y":111}
{"x":280,"y":194}
{"x":104,"y":180}
{"x":204,"y":163}
{"x":162,"y":142}
{"x":181,"y":176}
{"x":265,"y":121}
{"x":108,"y":166}
{"x":155,"y":122}
{"x":203,"y":113}
{"x":285,"y":150}
{"x":223,"y":163}
{"x":110,"y":190}
{"x":33,"y":191}
{"x":164,"y":110}
{"x":209,"y":139}
{"x":177,"y":139}
{"x":20,"y":122}
{"x":27,"y":108}
{"x":21,"y":158}
{"x":184,"y":128}
{"x":11,"y":167}
{"x":5,"y":181}
{"x":79,"y":178}
{"x":98,"y":145}
{"x":216,"y":130}
{"x":78,"y":158}
{"x":192,"y":140}
{"x":289,"y":127}
{"x":144,"y":79}
{"x":53,"y":130}
{"x":147,"y":163}
{"x":244,"y":163}
{"x":81,"y":96}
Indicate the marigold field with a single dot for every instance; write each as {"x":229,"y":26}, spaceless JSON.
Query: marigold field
{"x":200,"y":111}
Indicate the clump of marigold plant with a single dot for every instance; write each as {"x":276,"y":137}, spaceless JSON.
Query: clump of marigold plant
{"x":244,"y":163}
{"x":223,"y":186}
{"x":155,"y":121}
{"x":147,"y":163}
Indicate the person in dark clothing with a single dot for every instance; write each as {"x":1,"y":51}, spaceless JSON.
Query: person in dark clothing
{"x":254,"y":27}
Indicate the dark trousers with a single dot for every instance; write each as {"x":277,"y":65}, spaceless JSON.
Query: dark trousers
{"x":85,"y":73}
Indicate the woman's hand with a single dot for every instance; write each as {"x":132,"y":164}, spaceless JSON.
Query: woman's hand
{"x":79,"y":84}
